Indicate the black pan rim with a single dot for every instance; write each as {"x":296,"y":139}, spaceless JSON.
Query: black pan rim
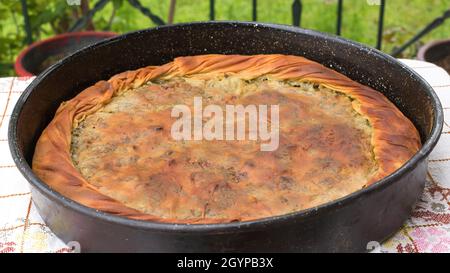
{"x":43,"y":188}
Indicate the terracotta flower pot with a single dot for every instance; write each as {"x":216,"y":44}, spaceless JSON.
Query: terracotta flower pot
{"x":40,"y":55}
{"x":437,"y":52}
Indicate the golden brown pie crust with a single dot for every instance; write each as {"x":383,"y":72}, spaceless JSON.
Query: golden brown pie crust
{"x":394,"y":138}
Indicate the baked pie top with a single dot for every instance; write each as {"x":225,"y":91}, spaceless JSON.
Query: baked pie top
{"x":110,"y":147}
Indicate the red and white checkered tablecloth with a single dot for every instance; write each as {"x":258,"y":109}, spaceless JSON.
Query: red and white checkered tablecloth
{"x":428,"y":229}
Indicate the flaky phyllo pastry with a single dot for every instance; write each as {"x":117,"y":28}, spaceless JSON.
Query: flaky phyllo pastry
{"x":110,"y":147}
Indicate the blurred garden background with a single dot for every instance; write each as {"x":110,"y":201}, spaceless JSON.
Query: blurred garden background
{"x":403,"y":19}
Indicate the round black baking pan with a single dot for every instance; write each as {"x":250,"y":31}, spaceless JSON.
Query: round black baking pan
{"x":344,"y":225}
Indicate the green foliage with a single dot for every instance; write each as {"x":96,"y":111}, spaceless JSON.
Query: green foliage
{"x":49,"y":17}
{"x":10,"y":38}
{"x":46,"y":19}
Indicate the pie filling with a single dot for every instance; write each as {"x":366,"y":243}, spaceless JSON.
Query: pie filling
{"x":125,"y":150}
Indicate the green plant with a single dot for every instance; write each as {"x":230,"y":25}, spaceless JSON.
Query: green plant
{"x":49,"y":17}
{"x":11,"y":38}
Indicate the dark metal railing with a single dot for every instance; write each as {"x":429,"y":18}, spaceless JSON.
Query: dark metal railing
{"x":147,"y":12}
{"x":212,"y":10}
{"x":297,"y":12}
{"x":81,"y":23}
{"x":26,"y":19}
{"x":254,"y":10}
{"x":296,"y":7}
{"x":339,"y":17}
{"x":434,"y":24}
{"x":380,"y":24}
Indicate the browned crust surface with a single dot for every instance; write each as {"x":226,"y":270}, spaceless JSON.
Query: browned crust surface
{"x":394,"y":138}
